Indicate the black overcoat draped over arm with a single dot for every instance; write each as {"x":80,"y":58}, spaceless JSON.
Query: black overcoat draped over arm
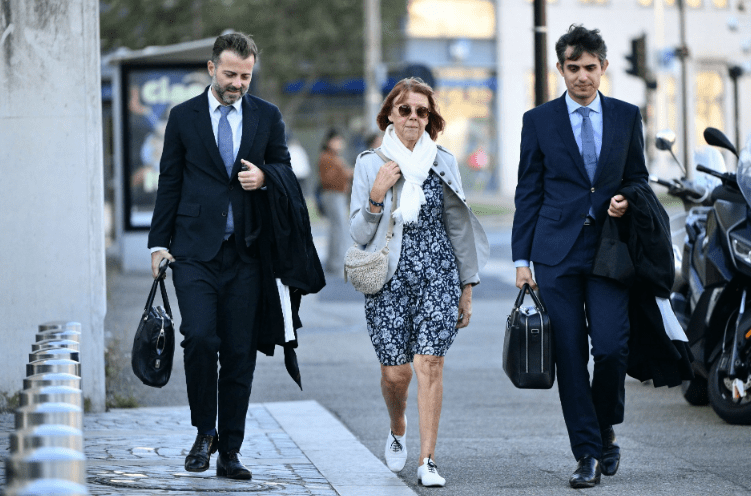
{"x":637,"y":251}
{"x":278,"y":223}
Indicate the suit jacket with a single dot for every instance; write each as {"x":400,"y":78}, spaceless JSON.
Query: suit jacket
{"x":554,"y":193}
{"x":195,"y":192}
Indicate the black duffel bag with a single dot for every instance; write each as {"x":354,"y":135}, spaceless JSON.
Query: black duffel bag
{"x":528,"y":357}
{"x":154,"y":344}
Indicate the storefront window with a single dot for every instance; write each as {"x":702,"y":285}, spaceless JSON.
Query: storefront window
{"x":473,"y":19}
{"x":465,"y":99}
{"x":710,"y":93}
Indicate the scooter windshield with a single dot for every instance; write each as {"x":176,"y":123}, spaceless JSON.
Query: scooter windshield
{"x":743,"y":175}
{"x":712,"y":158}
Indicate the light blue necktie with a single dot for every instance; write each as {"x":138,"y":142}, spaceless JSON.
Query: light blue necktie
{"x":589,"y":152}
{"x":226,"y":150}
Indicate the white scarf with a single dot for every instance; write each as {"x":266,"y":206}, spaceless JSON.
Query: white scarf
{"x":415,"y":167}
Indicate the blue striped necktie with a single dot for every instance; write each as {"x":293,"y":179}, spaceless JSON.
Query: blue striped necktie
{"x":589,"y":152}
{"x":226,"y":150}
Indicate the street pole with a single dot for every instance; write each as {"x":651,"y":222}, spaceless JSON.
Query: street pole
{"x":372,"y":62}
{"x":684,"y":85}
{"x":735,"y":73}
{"x":499,"y":149}
{"x":541,"y":54}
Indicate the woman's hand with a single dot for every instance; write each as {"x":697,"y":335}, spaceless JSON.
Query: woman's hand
{"x":387,"y":176}
{"x":465,"y":307}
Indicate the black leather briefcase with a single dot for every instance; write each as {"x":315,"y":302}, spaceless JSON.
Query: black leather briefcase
{"x":528,"y":357}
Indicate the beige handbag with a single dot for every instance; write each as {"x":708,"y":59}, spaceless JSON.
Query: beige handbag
{"x":367,"y":270}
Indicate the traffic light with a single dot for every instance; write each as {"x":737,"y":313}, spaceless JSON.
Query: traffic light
{"x":638,"y":57}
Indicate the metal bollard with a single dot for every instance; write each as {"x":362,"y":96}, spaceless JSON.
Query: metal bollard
{"x":67,"y":344}
{"x":46,"y":463}
{"x":55,"y":354}
{"x":52,"y":394}
{"x":49,"y":413}
{"x":65,"y":325}
{"x":48,"y":487}
{"x":46,"y":436}
{"x":52,"y":379}
{"x":59,"y":334}
{"x":45,"y":366}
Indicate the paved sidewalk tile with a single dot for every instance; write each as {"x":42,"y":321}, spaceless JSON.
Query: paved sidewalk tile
{"x":292,"y":448}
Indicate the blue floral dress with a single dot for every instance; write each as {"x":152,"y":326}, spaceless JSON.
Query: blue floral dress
{"x":417,"y":310}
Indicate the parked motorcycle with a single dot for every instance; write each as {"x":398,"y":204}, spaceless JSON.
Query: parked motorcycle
{"x":713,"y":301}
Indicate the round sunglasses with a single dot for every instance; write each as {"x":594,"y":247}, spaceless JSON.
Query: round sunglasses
{"x":406,"y":111}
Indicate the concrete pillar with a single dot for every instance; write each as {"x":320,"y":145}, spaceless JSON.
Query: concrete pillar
{"x":51,"y":182}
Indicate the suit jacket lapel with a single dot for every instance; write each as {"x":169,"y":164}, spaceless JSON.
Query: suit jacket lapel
{"x":563,"y":124}
{"x":250,"y":125}
{"x":206,"y":132}
{"x":608,"y":132}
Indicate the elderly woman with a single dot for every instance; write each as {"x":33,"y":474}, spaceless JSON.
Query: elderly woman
{"x":436,"y":252}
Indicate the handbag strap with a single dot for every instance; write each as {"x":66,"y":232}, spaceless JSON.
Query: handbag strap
{"x":152,"y":294}
{"x":520,"y":299}
{"x":390,"y":232}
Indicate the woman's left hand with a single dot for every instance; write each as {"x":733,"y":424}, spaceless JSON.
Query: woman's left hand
{"x":465,"y":307}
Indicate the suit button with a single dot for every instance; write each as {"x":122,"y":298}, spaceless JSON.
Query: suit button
{"x":592,"y":190}
{"x":231,"y":187}
{"x":435,"y":164}
{"x":449,"y":181}
{"x":224,"y":214}
{"x":443,"y":173}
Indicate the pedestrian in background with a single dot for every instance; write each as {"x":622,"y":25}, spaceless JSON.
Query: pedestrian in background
{"x":336,"y":178}
{"x":436,"y":253}
{"x":300,"y":163}
{"x":576,"y":153}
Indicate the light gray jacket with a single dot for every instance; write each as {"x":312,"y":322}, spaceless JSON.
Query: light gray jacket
{"x":368,"y":230}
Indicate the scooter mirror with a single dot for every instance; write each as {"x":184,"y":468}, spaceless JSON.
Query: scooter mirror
{"x":715,"y":137}
{"x":664,"y":140}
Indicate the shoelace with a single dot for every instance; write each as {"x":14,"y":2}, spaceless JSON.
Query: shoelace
{"x":431,"y":465}
{"x":396,"y":446}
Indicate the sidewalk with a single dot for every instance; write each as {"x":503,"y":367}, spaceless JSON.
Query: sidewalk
{"x":293,"y":449}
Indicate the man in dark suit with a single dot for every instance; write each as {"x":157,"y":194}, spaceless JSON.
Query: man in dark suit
{"x":576,"y":152}
{"x":199,"y":225}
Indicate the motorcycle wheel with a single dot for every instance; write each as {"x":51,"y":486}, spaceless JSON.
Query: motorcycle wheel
{"x":721,"y":398}
{"x":695,"y":391}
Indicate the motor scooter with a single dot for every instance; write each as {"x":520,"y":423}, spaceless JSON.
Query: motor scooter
{"x":713,"y":301}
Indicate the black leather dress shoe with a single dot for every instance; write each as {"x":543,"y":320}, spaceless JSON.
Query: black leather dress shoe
{"x":200,"y":454}
{"x":611,"y":452}
{"x":229,"y":465}
{"x":587,"y":473}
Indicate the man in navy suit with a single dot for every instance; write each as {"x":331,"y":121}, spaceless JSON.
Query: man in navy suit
{"x":212,"y":145}
{"x":572,"y":164}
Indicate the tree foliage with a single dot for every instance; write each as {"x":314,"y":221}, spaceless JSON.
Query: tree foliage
{"x":300,"y":39}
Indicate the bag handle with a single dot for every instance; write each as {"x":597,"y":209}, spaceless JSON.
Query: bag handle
{"x":152,"y":294}
{"x":520,"y":299}
{"x":394,"y":195}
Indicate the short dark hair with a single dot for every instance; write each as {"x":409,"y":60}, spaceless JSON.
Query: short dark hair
{"x":582,"y":40}
{"x":330,"y":134}
{"x":242,"y":44}
{"x":436,"y":123}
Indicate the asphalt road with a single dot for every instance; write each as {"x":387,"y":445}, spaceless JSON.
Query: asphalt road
{"x":493,"y":438}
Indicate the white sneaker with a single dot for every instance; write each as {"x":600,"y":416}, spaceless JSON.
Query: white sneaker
{"x":396,"y":450}
{"x":427,"y":474}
